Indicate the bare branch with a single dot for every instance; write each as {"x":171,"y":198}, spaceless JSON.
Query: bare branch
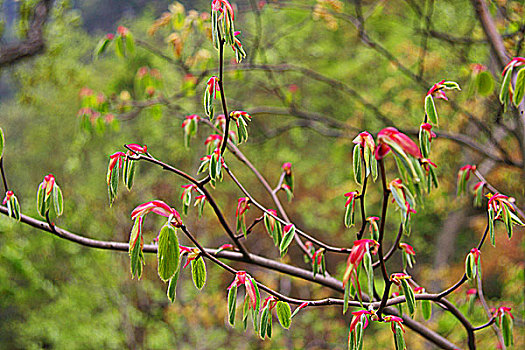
{"x":34,"y":43}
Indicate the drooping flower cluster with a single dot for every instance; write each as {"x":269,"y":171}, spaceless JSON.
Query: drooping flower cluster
{"x":463,"y":176}
{"x":392,"y":139}
{"x":408,"y":255}
{"x":210,"y":94}
{"x":124,"y":161}
{"x":501,"y":208}
{"x":437,"y":91}
{"x":13,"y":207}
{"x":243,"y":279}
{"x":364,"y":154}
{"x":362,"y":248}
{"x":243,"y":204}
{"x":350,"y":207}
{"x":190,"y":126}
{"x":472,"y":263}
{"x":241,"y":119}
{"x":49,"y":191}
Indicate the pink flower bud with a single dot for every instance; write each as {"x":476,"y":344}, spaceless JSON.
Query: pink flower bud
{"x":48,"y":184}
{"x":213,"y":86}
{"x":213,"y":138}
{"x":142,"y":72}
{"x":189,"y":118}
{"x":397,"y":277}
{"x":476,"y":253}
{"x":477,"y":68}
{"x":85,"y":91}
{"x":150,"y":91}
{"x":419,"y":290}
{"x":157,"y":207}
{"x":243,"y":204}
{"x":293,"y":88}
{"x":108,"y":118}
{"x":515,"y":62}
{"x":381,"y":151}
{"x":393,"y":135}
{"x":472,"y":291}
{"x":357,"y":318}
{"x":407,"y":248}
{"x":351,"y":197}
{"x":138,"y":148}
{"x":428,"y":127}
{"x":393,"y":320}
{"x":365,"y":139}
{"x":122,"y":31}
{"x":8,"y":196}
{"x":155,"y":73}
{"x":287,"y":167}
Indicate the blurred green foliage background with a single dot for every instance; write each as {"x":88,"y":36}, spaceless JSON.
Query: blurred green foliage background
{"x":57,"y":295}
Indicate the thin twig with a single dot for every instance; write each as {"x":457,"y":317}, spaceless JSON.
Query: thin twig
{"x":4,"y":178}
{"x":486,"y":308}
{"x":297,"y":230}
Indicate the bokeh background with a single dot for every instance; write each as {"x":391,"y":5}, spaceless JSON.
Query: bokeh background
{"x":56,"y":294}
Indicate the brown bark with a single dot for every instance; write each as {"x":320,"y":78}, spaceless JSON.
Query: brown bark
{"x":34,"y":42}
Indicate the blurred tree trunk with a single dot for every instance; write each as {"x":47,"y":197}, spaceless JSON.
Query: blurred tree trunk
{"x":34,"y":42}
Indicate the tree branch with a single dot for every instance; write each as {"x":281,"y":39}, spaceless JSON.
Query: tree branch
{"x":34,"y":43}
{"x":495,"y":41}
{"x":330,"y":282}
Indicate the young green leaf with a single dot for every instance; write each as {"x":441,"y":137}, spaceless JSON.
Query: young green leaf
{"x":58,"y":200}
{"x":430,"y":109}
{"x":255,"y":312}
{"x":506,"y":327}
{"x":101,"y":47}
{"x":172,"y":286}
{"x":426,"y":308}
{"x":519,"y":90}
{"x":113,"y":185}
{"x":399,"y":339}
{"x":232,"y":304}
{"x":13,"y":208}
{"x":168,"y":252}
{"x":42,"y":205}
{"x":357,"y":164}
{"x":507,"y":220}
{"x":359,"y":335}
{"x":492,"y":216}
{"x":130,"y":44}
{"x":504,"y":95}
{"x":485,"y":83}
{"x":264,"y":321}
{"x":409,"y":295}
{"x":289,"y":233}
{"x":451,"y":85}
{"x":128,"y":172}
{"x":198,"y":272}
{"x":135,"y":249}
{"x":349,"y":215}
{"x":119,"y":46}
{"x":284,"y":314}
{"x":367,"y":264}
{"x":269,"y":325}
{"x":245,"y":312}
{"x":469,"y":266}
{"x":346,"y":296}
